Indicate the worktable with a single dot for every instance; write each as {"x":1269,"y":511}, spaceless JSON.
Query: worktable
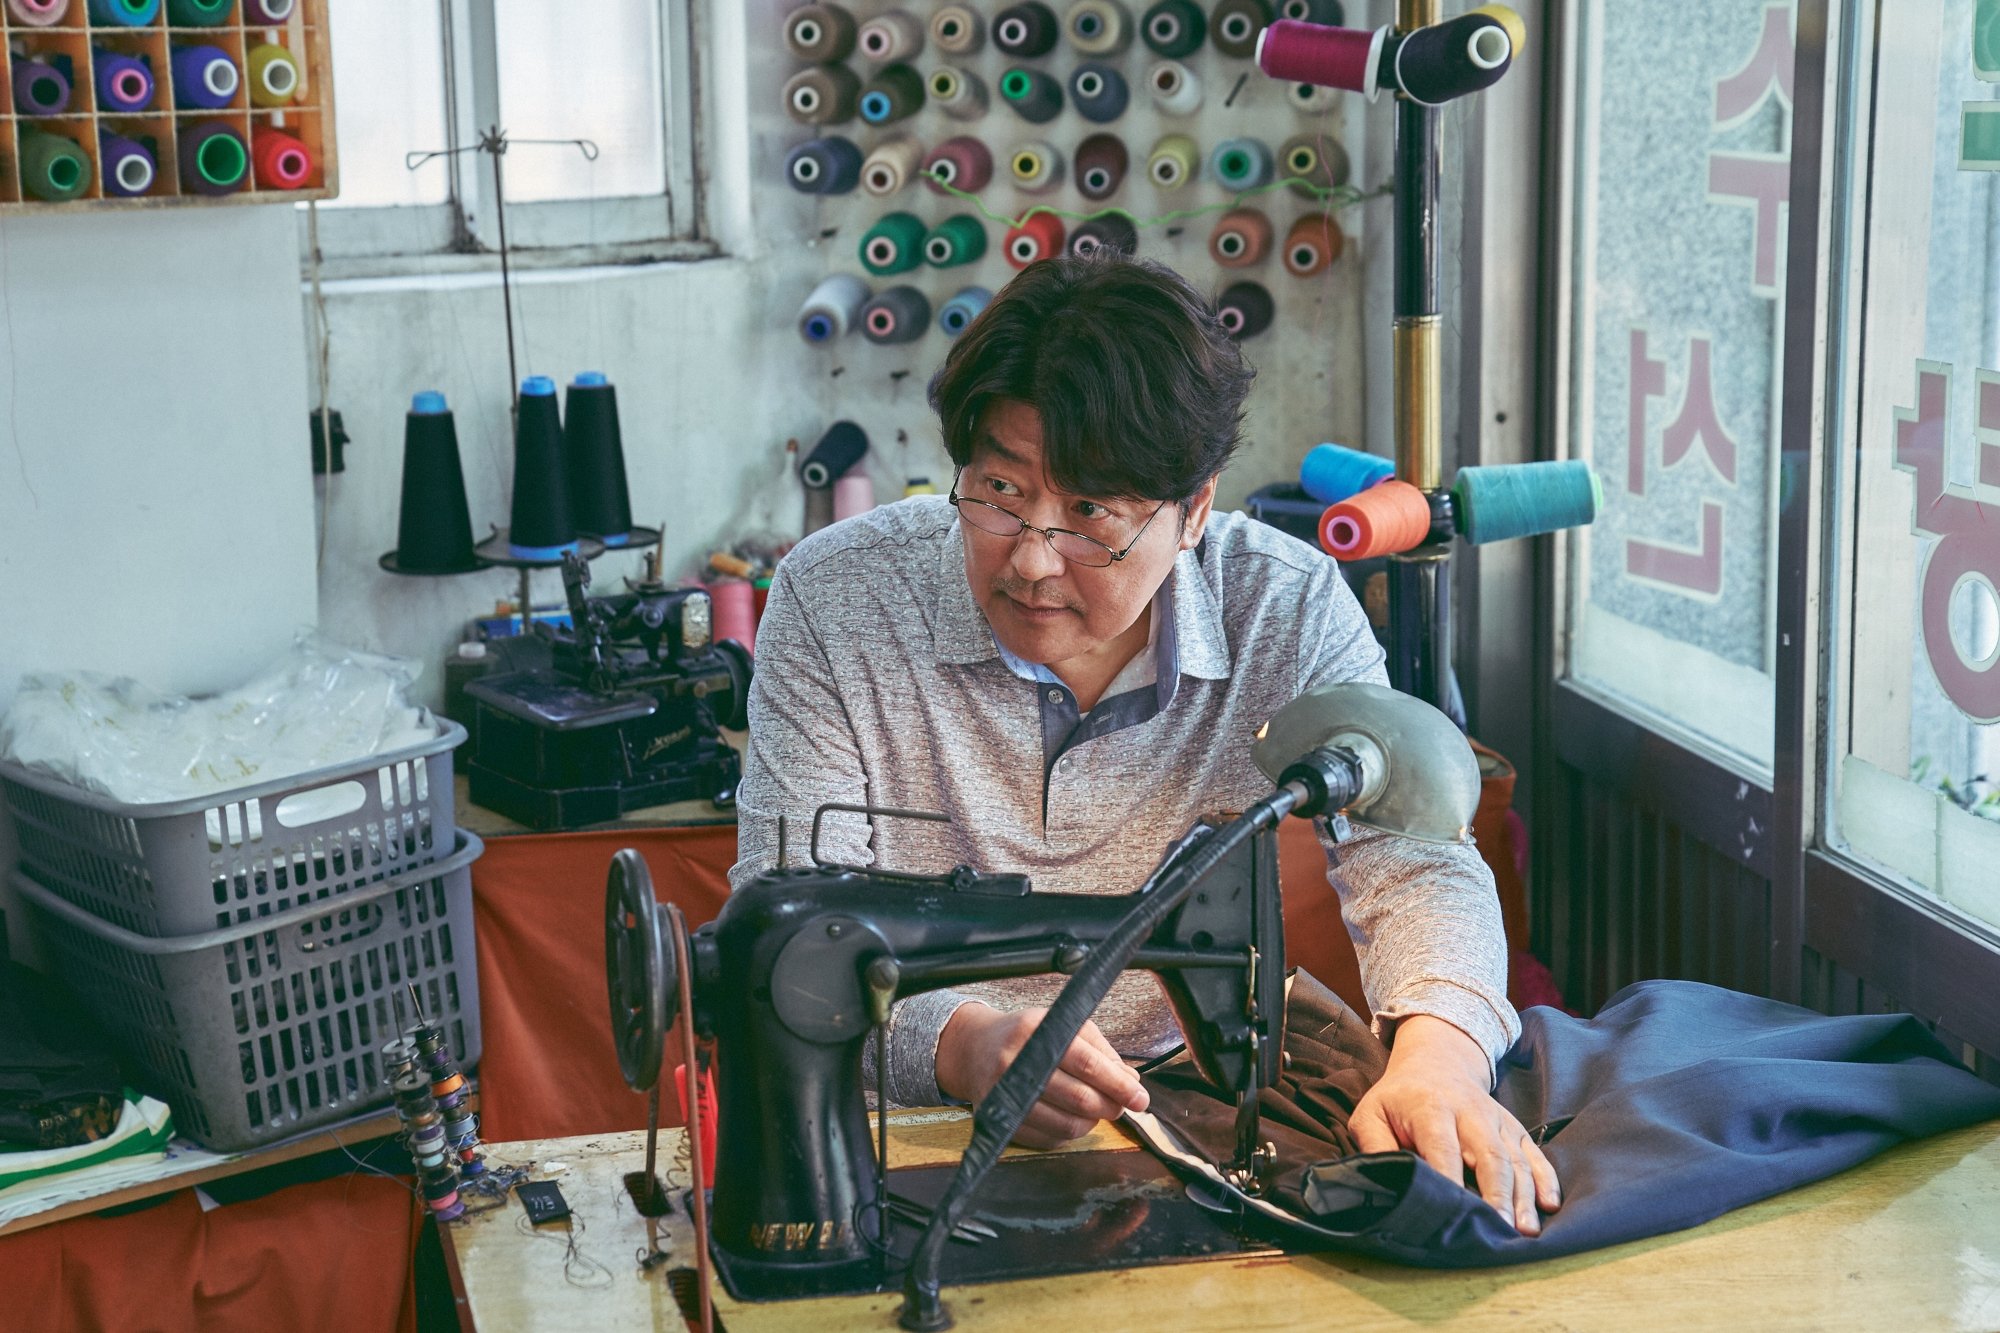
{"x":1909,"y":1240}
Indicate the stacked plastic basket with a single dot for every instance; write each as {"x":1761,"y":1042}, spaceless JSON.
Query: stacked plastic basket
{"x":254,"y":950}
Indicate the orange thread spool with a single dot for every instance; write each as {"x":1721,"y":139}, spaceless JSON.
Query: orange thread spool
{"x":1040,"y":237}
{"x":1383,"y":520}
{"x":1242,"y":237}
{"x":1314,"y":242}
{"x":448,"y":1085}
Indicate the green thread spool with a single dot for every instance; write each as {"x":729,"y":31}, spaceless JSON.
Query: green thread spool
{"x":893,"y":245}
{"x":1035,"y":97}
{"x":1242,"y":164}
{"x":1173,"y":162}
{"x":1496,"y":504}
{"x":957,"y":240}
{"x":197,"y":13}
{"x":53,"y":166}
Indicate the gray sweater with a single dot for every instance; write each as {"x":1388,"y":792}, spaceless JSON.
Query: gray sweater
{"x":879,"y":682}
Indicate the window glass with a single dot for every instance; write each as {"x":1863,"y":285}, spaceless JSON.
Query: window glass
{"x":582,"y":71}
{"x":388,"y":75}
{"x":1682,"y":175}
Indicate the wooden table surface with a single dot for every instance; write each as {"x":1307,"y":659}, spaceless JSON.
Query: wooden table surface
{"x":678,"y":814}
{"x":1910,"y":1240}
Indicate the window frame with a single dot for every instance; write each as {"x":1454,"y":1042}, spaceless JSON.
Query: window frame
{"x":462,"y":233}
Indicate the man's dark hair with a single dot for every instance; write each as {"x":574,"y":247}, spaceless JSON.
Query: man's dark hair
{"x":1140,"y":390}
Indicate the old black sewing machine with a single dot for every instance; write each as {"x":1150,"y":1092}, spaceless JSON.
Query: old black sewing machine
{"x":620,"y":711}
{"x":804,"y":963}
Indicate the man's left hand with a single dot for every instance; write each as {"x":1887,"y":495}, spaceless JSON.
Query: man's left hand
{"x":1433,"y":1100}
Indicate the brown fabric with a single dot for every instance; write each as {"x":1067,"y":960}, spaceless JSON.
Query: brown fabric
{"x":548,"y":1069}
{"x":334,"y":1255}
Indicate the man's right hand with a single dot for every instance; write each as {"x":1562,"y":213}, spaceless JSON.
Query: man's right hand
{"x":1091,"y":1084}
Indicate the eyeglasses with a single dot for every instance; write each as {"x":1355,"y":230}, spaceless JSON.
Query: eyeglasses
{"x":1073,"y":547}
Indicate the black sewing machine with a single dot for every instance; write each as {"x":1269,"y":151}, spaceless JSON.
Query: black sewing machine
{"x":805,"y":961}
{"x":620,"y":711}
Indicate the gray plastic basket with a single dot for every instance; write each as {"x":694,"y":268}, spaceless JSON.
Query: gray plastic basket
{"x":177,"y":867}
{"x":261,"y":1030}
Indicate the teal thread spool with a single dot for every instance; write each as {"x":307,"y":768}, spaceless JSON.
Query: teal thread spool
{"x":1242,"y":164}
{"x":197,"y":13}
{"x":1333,"y":472}
{"x":893,"y":245}
{"x":1495,"y":504}
{"x":957,"y":240}
{"x":53,"y":167}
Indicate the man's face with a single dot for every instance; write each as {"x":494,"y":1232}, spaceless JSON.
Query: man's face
{"x":1042,"y":607}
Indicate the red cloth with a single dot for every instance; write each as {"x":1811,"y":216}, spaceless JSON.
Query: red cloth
{"x":333,"y":1255}
{"x":549,"y":1069}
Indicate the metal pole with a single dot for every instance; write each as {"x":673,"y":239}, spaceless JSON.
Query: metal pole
{"x":496,"y":148}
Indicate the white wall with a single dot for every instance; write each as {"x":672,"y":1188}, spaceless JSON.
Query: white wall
{"x":155,"y":498}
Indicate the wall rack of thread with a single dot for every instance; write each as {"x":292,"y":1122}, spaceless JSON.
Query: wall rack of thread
{"x":1154,"y":108}
{"x":149,"y":103}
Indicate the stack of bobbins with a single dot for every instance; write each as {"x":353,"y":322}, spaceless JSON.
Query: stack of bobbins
{"x":423,"y":1130}
{"x":448,"y":1085}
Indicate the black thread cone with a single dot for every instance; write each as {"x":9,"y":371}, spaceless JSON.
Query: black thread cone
{"x":594,"y":459}
{"x":434,"y":526}
{"x":541,"y":518}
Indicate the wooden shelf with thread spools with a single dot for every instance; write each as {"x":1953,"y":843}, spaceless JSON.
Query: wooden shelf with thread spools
{"x":160,"y":125}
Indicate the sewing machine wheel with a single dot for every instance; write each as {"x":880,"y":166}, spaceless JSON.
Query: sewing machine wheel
{"x":738,"y":658}
{"x":639,"y":969}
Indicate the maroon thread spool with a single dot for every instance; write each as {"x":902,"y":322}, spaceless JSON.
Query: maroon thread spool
{"x":1101,"y":164}
{"x":1349,"y":58}
{"x":963,"y":162}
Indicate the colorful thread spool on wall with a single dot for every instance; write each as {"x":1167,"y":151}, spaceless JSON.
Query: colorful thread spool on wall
{"x":124,"y":83}
{"x":895,"y":244}
{"x":40,"y":88}
{"x":1099,"y":92}
{"x":1038,"y":237}
{"x":819,"y":34}
{"x":829,"y":460}
{"x":957,"y":30}
{"x":833,"y":308}
{"x":822,"y":95}
{"x":53,"y":167}
{"x":831,"y":165}
{"x":1098,"y":27}
{"x":1025,"y":31}
{"x":895,"y":35}
{"x":197,"y":13}
{"x":957,"y":314}
{"x":1244,"y":309}
{"x":958,"y":93}
{"x":1173,"y":28}
{"x":896,"y":92}
{"x":205,"y":78}
{"x":268,"y":13}
{"x":853,"y":494}
{"x":1115,"y":233}
{"x":282,"y":162}
{"x":1242,"y":237}
{"x":1236,"y":25}
{"x":962,"y":163}
{"x":1035,"y":168}
{"x":1101,"y":163}
{"x":1326,"y":13}
{"x":128,"y":166}
{"x":1242,"y":164}
{"x":37,"y":13}
{"x":957,"y":240}
{"x":213,"y":159}
{"x":1309,"y":99}
{"x":1034,"y":96}
{"x":1312,"y":243}
{"x":1173,"y":162}
{"x":1311,"y":163}
{"x":898,"y":315}
{"x":889,"y":167}
{"x":274,"y":76}
{"x":1175,"y":89}
{"x":124,"y":13}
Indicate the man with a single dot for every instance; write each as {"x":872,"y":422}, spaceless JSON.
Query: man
{"x":1069,"y":656}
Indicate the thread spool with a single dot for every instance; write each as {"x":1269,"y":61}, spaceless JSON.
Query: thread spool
{"x":37,"y":13}
{"x":1173,"y":28}
{"x":542,"y":526}
{"x":957,"y":30}
{"x":1312,"y":243}
{"x":1242,"y":164}
{"x":1099,"y":92}
{"x":853,"y":494}
{"x":895,"y":244}
{"x":957,"y":240}
{"x":733,"y":605}
{"x":1311,"y":163}
{"x":1040,"y":236}
{"x":196,"y":13}
{"x":1326,"y":13}
{"x":1173,"y":162}
{"x":958,"y":93}
{"x":129,"y":169}
{"x":889,"y":168}
{"x":957,"y":314}
{"x":894,"y":35}
{"x":1494,"y":504}
{"x":1035,"y":97}
{"x":124,"y":13}
{"x":1331,"y":473}
{"x":1175,"y":89}
{"x":274,"y":75}
{"x":1387,"y":518}
{"x":1235,"y":25}
{"x":1036,"y":168}
{"x":838,"y":450}
{"x":962,"y":163}
{"x":124,"y":83}
{"x":832,"y":308}
{"x":1242,"y":237}
{"x":831,"y":165}
{"x":1101,"y":164}
{"x":600,"y":500}
{"x":213,"y":159}
{"x":1310,"y":99}
{"x":412,"y":1087}
{"x":1244,"y":309}
{"x":819,"y":34}
{"x":1025,"y":31}
{"x":822,"y":95}
{"x":898,"y":315}
{"x":1114,"y":232}
{"x":268,"y":13}
{"x":1517,"y":28}
{"x":1347,"y":58}
{"x":896,"y":91}
{"x":1434,"y":65}
{"x":205,"y":78}
{"x":281,"y":161}
{"x":1098,"y":27}
{"x":40,"y":89}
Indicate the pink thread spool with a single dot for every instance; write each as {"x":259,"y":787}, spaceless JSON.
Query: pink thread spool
{"x":1312,"y":53}
{"x":735,"y":611}
{"x":853,"y":494}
